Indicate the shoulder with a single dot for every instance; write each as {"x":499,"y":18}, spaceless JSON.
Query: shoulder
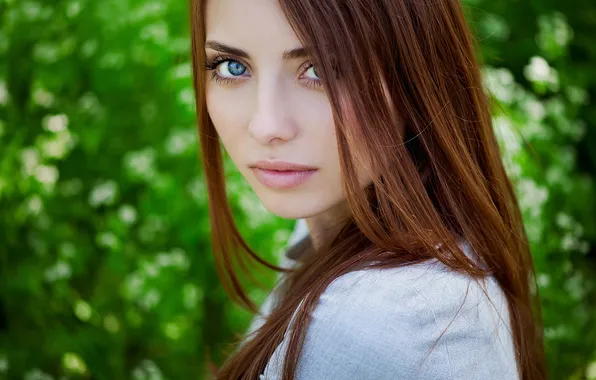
{"x":412,"y":291}
{"x":422,"y":321}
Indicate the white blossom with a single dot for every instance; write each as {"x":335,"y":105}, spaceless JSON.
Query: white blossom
{"x":157,"y":32}
{"x":29,"y":160}
{"x":112,"y":60}
{"x":43,"y":97}
{"x":4,"y":365}
{"x":31,"y":10}
{"x":198,"y":190}
{"x":179,"y":259}
{"x":4,"y":96}
{"x":564,"y":220}
{"x":133,"y":285}
{"x":150,"y":299}
{"x":531,"y":196}
{"x":543,"y":280}
{"x":500,"y":83}
{"x":111,"y":323}
{"x":37,"y":374}
{"x":55,"y":123}
{"x":539,"y":71}
{"x":577,"y":95}
{"x":108,"y":240}
{"x":58,"y":145}
{"x":89,"y":48}
{"x":181,"y":71}
{"x":150,"y":269}
{"x":59,"y":271}
{"x":535,"y":109}
{"x":191,"y":295}
{"x":179,"y":141}
{"x":46,"y":52}
{"x":147,"y":370}
{"x":82,"y":310}
{"x":74,"y":363}
{"x":34,"y":205}
{"x":554,"y":27}
{"x":508,"y":137}
{"x":141,"y":163}
{"x":172,"y":330}
{"x":73,"y":8}
{"x":128,"y":214}
{"x":47,"y":175}
{"x":591,"y":370}
{"x":148,"y":9}
{"x":103,"y":194}
{"x":186,"y":97}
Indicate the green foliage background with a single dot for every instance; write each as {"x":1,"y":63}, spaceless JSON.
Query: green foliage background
{"x":105,"y":267}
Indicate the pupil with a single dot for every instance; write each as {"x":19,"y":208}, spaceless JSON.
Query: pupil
{"x":236,"y":68}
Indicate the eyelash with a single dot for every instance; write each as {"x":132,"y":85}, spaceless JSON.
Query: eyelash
{"x":212,"y":64}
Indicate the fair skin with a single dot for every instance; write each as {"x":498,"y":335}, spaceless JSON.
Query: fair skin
{"x":274,"y":108}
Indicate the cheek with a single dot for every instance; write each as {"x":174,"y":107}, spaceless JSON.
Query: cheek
{"x":316,"y":119}
{"x":322,"y":145}
{"x":226,"y":115}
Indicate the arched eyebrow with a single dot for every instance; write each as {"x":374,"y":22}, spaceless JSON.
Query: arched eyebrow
{"x":223,"y":48}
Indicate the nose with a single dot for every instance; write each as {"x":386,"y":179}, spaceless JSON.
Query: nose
{"x":271,"y":122}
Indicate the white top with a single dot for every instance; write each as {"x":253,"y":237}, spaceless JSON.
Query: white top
{"x":380,"y":323}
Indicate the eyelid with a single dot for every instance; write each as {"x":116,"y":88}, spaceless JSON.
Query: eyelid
{"x":305,"y":67}
{"x":212,"y":63}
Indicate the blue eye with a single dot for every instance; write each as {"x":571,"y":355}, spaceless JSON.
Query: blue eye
{"x":236,"y":68}
{"x":230,"y":68}
{"x":225,"y":70}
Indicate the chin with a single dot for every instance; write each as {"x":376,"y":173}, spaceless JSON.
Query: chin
{"x":291,"y":211}
{"x":290,"y":206}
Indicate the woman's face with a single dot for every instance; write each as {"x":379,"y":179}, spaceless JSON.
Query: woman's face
{"x":268,"y":106}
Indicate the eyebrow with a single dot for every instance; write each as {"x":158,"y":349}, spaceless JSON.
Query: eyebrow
{"x":223,"y":48}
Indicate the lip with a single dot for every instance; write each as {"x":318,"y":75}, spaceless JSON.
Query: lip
{"x":282,"y":166}
{"x":281,"y":174}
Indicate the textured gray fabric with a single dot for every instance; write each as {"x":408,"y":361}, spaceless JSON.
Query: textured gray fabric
{"x":380,"y":323}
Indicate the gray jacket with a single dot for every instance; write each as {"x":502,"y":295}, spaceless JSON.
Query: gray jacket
{"x":382,"y":324}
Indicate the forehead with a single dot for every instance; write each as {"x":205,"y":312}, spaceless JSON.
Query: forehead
{"x":252,"y":25}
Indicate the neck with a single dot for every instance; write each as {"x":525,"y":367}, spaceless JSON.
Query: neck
{"x":326,"y":225}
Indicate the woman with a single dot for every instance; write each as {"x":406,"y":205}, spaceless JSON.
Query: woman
{"x":367,"y":119}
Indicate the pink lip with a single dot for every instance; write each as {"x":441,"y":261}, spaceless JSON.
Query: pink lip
{"x":282,"y":175}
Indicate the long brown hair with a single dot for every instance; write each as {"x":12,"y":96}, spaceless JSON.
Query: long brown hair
{"x":437,"y":169}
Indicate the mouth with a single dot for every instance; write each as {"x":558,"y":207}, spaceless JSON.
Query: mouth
{"x":282,"y":175}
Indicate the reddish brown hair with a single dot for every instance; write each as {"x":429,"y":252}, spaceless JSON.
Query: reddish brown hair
{"x":437,"y":177}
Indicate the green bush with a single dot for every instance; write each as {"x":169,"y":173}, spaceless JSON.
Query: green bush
{"x":105,"y":267}
{"x":543,"y":76}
